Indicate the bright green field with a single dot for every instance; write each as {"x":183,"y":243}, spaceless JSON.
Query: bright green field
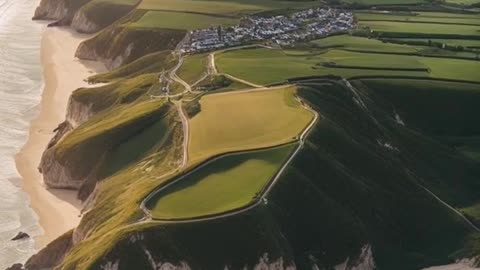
{"x":230,"y":7}
{"x":451,"y":42}
{"x":433,"y":17}
{"x":193,"y":68}
{"x":466,"y":2}
{"x":384,"y":2}
{"x":181,"y":20}
{"x":421,"y":28}
{"x":362,"y":44}
{"x":225,"y":184}
{"x":264,"y":66}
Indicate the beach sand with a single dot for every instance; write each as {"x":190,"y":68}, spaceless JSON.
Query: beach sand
{"x":58,"y":210}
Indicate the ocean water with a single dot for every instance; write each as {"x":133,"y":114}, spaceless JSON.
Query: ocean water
{"x":20,"y":90}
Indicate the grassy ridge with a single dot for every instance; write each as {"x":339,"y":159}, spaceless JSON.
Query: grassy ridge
{"x":229,"y":7}
{"x":151,"y":63}
{"x":181,"y":20}
{"x":226,"y":184}
{"x":120,"y":92}
{"x":345,"y":190}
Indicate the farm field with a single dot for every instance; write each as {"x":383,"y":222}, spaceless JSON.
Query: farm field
{"x":455,"y":69}
{"x":266,"y":66}
{"x":244,"y":120}
{"x":229,"y":7}
{"x":420,"y":28}
{"x":423,"y":17}
{"x":452,"y":42}
{"x":181,"y":20}
{"x":193,"y":68}
{"x":384,"y":2}
{"x":463,"y":2}
{"x":362,"y":44}
{"x":225,"y":184}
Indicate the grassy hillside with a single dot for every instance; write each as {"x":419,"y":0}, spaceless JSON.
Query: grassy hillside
{"x":151,"y":63}
{"x":181,"y":20}
{"x":121,"y":92}
{"x":229,"y":7}
{"x":228,"y":183}
{"x":346,"y":190}
{"x":194,"y":67}
{"x":242,"y":120}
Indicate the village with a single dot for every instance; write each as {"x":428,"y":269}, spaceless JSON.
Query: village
{"x":282,"y":30}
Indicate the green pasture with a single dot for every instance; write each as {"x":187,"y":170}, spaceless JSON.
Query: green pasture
{"x":181,"y":20}
{"x":424,"y":17}
{"x":384,"y":2}
{"x":193,"y":68}
{"x":362,"y":44}
{"x":421,"y":28}
{"x":450,"y":42}
{"x":228,"y":183}
{"x":228,"y":7}
{"x":264,"y":66}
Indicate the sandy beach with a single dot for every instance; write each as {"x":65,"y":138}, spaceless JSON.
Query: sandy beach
{"x":58,"y":210}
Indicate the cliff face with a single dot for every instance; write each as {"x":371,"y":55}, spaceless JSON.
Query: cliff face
{"x":97,"y":15}
{"x":130,"y":44}
{"x":51,"y":10}
{"x":78,"y":112}
{"x":56,"y":175}
{"x":82,"y":24}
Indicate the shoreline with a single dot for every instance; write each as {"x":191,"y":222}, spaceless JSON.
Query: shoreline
{"x":57,"y":210}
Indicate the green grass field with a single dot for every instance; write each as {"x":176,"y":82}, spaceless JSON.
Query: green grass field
{"x":225,"y":184}
{"x":451,"y":42}
{"x":264,"y":66}
{"x":420,"y":28}
{"x":423,"y":17}
{"x":245,"y":120}
{"x":181,"y":20}
{"x":362,"y":44}
{"x":194,"y":67}
{"x":384,"y":2}
{"x":463,"y":2}
{"x":228,"y":7}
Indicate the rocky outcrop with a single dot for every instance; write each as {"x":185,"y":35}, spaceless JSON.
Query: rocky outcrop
{"x":56,"y":174}
{"x":52,"y":255}
{"x":87,"y":53}
{"x":20,"y":236}
{"x":78,"y":112}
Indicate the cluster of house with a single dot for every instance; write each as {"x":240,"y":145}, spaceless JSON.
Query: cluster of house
{"x":283,"y":30}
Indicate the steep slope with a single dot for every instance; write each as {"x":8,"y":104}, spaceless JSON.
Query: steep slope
{"x":354,"y":196}
{"x":121,"y":44}
{"x":85,"y":16}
